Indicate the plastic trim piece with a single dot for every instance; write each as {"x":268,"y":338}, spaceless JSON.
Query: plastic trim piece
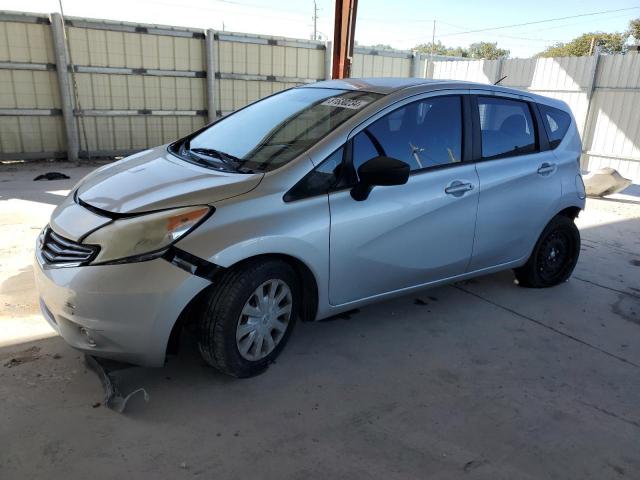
{"x":113,"y":399}
{"x":192,"y":264}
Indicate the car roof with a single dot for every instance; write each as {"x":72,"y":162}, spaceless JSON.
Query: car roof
{"x":383,"y":85}
{"x":387,"y":85}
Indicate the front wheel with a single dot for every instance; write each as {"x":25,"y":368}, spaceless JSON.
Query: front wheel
{"x":554,"y":257}
{"x":249,"y":317}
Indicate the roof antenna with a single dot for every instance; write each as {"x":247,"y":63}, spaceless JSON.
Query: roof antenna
{"x":502,"y":78}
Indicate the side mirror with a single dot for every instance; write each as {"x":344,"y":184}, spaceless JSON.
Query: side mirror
{"x":379,"y":171}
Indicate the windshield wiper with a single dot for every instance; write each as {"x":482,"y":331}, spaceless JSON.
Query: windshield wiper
{"x":231,"y":161}
{"x":204,"y":156}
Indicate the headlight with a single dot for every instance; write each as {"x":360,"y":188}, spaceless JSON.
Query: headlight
{"x":146,"y":236}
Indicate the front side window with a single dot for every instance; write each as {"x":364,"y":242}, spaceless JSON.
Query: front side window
{"x":556,"y":123}
{"x":273,"y":131}
{"x":507,"y":127}
{"x":426,"y":133}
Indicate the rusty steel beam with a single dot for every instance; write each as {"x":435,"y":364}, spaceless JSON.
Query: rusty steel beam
{"x":343,"y":37}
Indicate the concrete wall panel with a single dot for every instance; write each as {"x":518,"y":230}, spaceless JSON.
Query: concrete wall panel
{"x":25,"y":42}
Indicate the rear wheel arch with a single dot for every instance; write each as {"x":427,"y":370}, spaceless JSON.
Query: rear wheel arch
{"x":528,"y":274}
{"x":569,"y":212}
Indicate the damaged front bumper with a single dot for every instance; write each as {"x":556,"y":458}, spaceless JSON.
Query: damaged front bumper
{"x":122,"y":312}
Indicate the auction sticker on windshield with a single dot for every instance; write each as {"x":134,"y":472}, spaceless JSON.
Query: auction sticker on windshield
{"x":341,"y":102}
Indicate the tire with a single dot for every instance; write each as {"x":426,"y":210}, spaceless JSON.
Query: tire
{"x":554,"y":257}
{"x":225,"y":326}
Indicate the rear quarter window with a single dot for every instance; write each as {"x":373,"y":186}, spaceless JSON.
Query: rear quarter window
{"x":556,"y":123}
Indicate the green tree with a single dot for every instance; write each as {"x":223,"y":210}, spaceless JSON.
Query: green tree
{"x":440,"y":49}
{"x":581,"y":46}
{"x":487,"y":50}
{"x":458,"y":52}
{"x":381,"y":46}
{"x":377,"y":46}
{"x":634,"y":29}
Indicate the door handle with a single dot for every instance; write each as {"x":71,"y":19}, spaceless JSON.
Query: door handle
{"x":546,"y":169}
{"x":458,"y":188}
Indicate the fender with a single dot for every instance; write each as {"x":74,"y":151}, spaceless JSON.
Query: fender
{"x":257,"y":225}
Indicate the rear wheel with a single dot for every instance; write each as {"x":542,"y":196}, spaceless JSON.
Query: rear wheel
{"x":554,"y":257}
{"x":249,"y":317}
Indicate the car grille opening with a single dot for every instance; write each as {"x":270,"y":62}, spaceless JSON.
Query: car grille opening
{"x":60,"y":251}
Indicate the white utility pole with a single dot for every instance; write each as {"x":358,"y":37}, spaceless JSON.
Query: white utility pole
{"x":433,"y":39}
{"x":315,"y":20}
{"x":429,"y":62}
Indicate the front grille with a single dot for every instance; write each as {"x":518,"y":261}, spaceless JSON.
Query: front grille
{"x":60,"y":251}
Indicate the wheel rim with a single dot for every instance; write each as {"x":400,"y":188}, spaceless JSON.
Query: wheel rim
{"x":264,"y":320}
{"x":555,"y":256}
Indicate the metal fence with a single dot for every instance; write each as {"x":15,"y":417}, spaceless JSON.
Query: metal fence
{"x":121,"y":87}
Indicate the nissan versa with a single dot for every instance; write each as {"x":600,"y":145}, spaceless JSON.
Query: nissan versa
{"x":305,"y":204}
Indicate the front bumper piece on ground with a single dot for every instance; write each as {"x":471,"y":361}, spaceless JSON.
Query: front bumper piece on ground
{"x":113,"y":398}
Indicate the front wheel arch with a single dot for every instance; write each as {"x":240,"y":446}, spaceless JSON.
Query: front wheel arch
{"x":308,"y":282}
{"x":308,"y":287}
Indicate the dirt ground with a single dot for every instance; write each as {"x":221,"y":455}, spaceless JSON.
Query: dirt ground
{"x":481,"y":379}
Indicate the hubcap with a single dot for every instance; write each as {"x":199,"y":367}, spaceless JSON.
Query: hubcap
{"x":264,"y":320}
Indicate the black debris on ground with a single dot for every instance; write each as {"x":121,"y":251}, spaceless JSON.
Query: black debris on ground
{"x":52,"y":176}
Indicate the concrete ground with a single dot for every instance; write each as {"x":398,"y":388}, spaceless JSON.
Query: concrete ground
{"x":481,"y":379}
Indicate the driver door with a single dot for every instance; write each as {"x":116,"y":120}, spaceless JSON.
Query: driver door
{"x":412,"y":234}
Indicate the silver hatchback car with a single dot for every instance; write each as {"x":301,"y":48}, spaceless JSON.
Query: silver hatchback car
{"x":308,"y":203}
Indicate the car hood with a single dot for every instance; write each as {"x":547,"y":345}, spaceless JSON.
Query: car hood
{"x":155,"y":179}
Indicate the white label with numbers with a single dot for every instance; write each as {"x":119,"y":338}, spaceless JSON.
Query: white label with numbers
{"x":341,"y":102}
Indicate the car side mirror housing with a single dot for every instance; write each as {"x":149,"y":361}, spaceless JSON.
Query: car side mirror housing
{"x":379,"y":171}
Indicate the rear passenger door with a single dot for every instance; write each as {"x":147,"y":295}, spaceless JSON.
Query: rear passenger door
{"x":519,"y":184}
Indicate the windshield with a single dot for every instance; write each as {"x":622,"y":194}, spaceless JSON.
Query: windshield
{"x":273,"y":131}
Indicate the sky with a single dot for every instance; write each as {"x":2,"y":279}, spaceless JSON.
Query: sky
{"x":399,"y":23}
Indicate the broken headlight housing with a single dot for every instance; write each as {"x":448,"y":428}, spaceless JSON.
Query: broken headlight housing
{"x":145,"y":237}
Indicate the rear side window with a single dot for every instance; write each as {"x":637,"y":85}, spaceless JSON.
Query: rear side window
{"x":507,"y":128}
{"x":556,"y":122}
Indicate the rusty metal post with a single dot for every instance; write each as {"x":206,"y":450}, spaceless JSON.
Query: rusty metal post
{"x":343,"y":37}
